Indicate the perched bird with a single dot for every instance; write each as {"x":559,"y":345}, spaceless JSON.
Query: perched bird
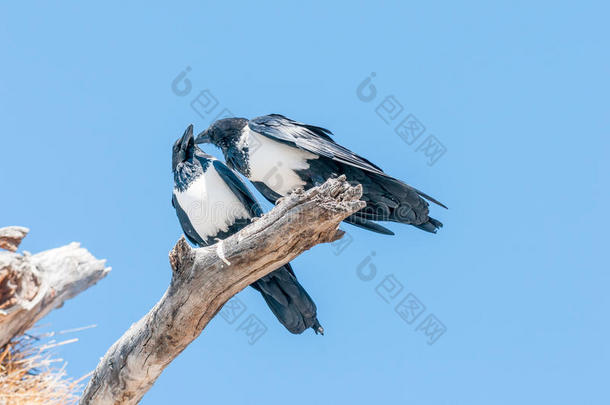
{"x":279,"y":155}
{"x":212,"y":203}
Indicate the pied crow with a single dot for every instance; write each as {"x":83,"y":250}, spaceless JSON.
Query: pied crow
{"x":212,"y":203}
{"x":279,"y":155}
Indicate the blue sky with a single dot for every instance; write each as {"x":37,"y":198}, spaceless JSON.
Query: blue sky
{"x":517,"y":95}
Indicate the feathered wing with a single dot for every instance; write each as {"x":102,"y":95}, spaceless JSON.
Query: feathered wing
{"x":388,"y":199}
{"x":313,"y":139}
{"x":317,"y":140}
{"x":239,"y":188}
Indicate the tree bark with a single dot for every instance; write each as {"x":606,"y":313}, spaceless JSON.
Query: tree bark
{"x":11,"y":237}
{"x":33,"y":285}
{"x":204,"y":279}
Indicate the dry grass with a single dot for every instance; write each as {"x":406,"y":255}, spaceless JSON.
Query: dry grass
{"x":29,"y":373}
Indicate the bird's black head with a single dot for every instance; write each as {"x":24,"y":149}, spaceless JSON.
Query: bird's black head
{"x":188,"y":161}
{"x":223,"y":133}
{"x":183,"y":148}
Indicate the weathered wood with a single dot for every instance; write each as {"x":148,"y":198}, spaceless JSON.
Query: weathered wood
{"x":202,"y":282}
{"x":33,"y":285}
{"x":11,"y":237}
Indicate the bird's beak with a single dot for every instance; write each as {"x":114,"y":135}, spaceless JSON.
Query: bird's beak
{"x":187,"y":137}
{"x":203,"y":137}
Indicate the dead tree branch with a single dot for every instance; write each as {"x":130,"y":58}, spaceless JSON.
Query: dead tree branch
{"x":11,"y":236}
{"x":33,"y":285}
{"x":205,"y":279}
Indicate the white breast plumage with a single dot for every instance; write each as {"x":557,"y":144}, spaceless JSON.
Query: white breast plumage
{"x":210,"y":204}
{"x":274,"y":163}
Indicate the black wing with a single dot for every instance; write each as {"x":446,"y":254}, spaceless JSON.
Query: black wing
{"x":310,"y":138}
{"x":318,"y":141}
{"x":186,"y":225}
{"x":239,"y":188}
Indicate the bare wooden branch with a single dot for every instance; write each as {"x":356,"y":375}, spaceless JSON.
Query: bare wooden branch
{"x":11,"y":236}
{"x":202,"y":282}
{"x":33,"y":285}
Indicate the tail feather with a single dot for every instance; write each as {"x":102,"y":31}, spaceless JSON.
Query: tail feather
{"x":431,"y":226}
{"x":409,"y":204}
{"x":368,"y":225}
{"x":429,"y":198}
{"x":288,"y":300}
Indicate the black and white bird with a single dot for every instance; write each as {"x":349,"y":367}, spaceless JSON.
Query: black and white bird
{"x":279,"y":155}
{"x":212,"y":203}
